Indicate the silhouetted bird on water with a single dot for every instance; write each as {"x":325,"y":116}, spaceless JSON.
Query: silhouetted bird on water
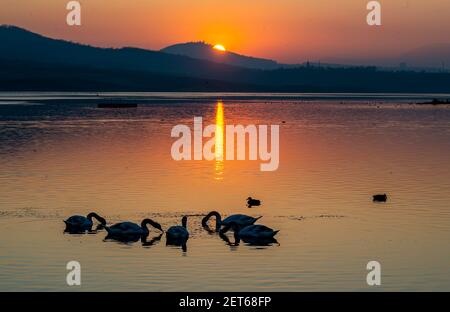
{"x":253,"y":202}
{"x":250,"y":241}
{"x":239,"y":219}
{"x":178,"y":232}
{"x":81,"y":222}
{"x":124,"y":229}
{"x":253,"y":232}
{"x":178,"y":235}
{"x":380,"y":198}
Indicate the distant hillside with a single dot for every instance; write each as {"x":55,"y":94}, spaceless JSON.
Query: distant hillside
{"x":429,"y":58}
{"x":20,"y":44}
{"x":33,"y":76}
{"x":437,"y":56}
{"x":204,"y":51}
{"x":29,"y":61}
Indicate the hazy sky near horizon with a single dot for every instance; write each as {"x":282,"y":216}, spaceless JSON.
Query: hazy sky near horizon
{"x":285,"y":30}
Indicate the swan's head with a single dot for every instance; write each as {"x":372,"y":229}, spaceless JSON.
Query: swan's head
{"x":96,"y":216}
{"x":209,"y":215}
{"x":156,"y":225}
{"x":249,"y":198}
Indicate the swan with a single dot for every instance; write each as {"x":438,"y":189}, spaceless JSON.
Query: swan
{"x":250,"y":241}
{"x":132,"y":229}
{"x":240,"y":220}
{"x":253,"y":202}
{"x":380,"y":198}
{"x":178,"y":233}
{"x":83,"y":222}
{"x":254,"y":231}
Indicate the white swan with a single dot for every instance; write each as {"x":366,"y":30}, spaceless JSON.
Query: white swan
{"x":241,"y":220}
{"x":254,"y":231}
{"x":83,"y":222}
{"x":178,"y":233}
{"x":131,"y":229}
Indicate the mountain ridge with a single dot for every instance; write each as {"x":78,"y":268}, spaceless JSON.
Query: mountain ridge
{"x":27,"y":60}
{"x":206,"y":51}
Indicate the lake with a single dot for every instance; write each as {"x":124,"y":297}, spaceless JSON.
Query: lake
{"x":61,"y":155}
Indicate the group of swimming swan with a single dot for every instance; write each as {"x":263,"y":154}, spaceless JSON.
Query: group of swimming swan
{"x":242,"y":225}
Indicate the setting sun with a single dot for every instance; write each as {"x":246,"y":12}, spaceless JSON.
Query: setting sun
{"x":219,"y":47}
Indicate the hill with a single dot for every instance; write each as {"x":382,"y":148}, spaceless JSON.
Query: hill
{"x":204,"y":51}
{"x":29,"y":61}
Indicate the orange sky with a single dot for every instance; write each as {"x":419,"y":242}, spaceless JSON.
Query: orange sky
{"x":285,"y":30}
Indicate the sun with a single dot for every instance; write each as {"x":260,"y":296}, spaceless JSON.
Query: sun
{"x":219,"y":47}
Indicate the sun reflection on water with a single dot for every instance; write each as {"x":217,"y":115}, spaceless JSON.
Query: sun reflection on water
{"x":218,"y":149}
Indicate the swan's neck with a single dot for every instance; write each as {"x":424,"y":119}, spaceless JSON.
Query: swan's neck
{"x":236,"y":238}
{"x":218,"y":219}
{"x":144,"y":226}
{"x":225,"y":229}
{"x":94,"y":215}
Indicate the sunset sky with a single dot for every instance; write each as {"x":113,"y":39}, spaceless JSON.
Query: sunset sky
{"x":285,"y":30}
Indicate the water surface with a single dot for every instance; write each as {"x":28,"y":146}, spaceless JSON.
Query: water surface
{"x":60,"y":155}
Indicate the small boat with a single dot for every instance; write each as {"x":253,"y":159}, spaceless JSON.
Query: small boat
{"x":436,"y":102}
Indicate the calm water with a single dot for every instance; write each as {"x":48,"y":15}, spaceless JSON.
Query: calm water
{"x":60,"y":155}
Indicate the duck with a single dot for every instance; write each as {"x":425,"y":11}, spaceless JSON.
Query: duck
{"x":253,"y":202}
{"x":83,"y":222}
{"x":132,"y":229}
{"x":379,"y":198}
{"x":254,"y":231}
{"x":240,"y":219}
{"x":178,"y":233}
